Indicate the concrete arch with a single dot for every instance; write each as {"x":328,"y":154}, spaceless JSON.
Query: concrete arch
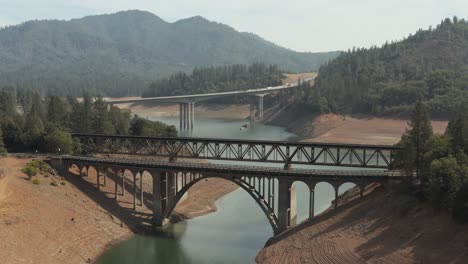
{"x":264,"y":205}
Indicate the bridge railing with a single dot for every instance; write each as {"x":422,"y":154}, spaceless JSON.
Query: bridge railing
{"x":287,"y":153}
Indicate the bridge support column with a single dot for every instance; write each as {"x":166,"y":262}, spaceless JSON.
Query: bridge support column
{"x":171,"y":178}
{"x":98,"y":176}
{"x":187,"y":116}
{"x":116,"y":181}
{"x":311,"y":202}
{"x":104,"y":173}
{"x":158,"y":218}
{"x":252,"y":113}
{"x":192,"y":115}
{"x":260,"y":108}
{"x":123,"y":183}
{"x":134,"y":191}
{"x":180,"y":116}
{"x":141,"y":188}
{"x":336,"y":196}
{"x":162,"y":197}
{"x":284,"y":205}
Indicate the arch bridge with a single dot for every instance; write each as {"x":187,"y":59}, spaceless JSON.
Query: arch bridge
{"x":269,"y":187}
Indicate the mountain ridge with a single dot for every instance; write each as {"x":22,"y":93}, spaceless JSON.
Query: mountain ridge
{"x":110,"y":53}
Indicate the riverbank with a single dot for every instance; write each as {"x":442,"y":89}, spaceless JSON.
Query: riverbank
{"x":345,"y":128}
{"x":386,"y":226}
{"x":74,"y":222}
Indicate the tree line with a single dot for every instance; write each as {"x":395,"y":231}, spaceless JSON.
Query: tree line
{"x":439,"y":161}
{"x":429,"y":66}
{"x":29,"y":122}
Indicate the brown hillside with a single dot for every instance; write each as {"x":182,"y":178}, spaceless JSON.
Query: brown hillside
{"x":384,"y":227}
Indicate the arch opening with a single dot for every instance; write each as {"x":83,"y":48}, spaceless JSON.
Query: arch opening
{"x":242,"y":182}
{"x":324,"y":196}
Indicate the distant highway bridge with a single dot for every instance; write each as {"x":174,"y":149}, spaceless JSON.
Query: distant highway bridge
{"x":271,"y":188}
{"x":187,"y":102}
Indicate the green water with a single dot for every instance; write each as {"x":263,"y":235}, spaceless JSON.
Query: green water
{"x":235,"y":233}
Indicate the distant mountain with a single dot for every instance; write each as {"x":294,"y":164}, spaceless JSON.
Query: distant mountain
{"x":123,"y":53}
{"x":429,"y":66}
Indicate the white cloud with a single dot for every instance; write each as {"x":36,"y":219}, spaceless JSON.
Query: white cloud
{"x":305,"y":25}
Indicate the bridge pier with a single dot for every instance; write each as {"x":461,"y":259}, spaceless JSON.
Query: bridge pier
{"x":98,"y":176}
{"x":187,"y":116}
{"x":252,"y":113}
{"x":123,"y":183}
{"x":284,"y":204}
{"x":134,"y":191}
{"x":116,"y":181}
{"x":260,"y":108}
{"x":141,"y":188}
{"x":163,"y":195}
{"x":311,"y":202}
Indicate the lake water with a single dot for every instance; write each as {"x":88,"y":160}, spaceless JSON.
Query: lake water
{"x":233,"y":234}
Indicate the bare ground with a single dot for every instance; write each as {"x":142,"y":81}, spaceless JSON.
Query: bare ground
{"x":201,"y":110}
{"x":74,"y":223}
{"x":362,"y":130}
{"x":383,"y":227}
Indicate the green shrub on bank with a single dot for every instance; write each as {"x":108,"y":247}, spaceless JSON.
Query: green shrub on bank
{"x":30,"y":170}
{"x":36,"y":182}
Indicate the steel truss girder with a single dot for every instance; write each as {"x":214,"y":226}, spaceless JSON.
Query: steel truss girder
{"x":348,"y":155}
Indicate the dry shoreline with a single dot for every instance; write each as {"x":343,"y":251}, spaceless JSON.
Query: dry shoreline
{"x":75,"y":223}
{"x":386,"y":226}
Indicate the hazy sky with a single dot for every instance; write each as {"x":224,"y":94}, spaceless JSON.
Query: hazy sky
{"x":303,"y":25}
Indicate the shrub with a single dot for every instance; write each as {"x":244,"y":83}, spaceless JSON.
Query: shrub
{"x":30,"y":170}
{"x":36,"y":181}
{"x":443,"y":182}
{"x":54,"y":183}
{"x":59,"y":142}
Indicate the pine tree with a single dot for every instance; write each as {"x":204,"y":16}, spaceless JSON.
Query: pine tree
{"x":57,"y":112}
{"x":419,"y":132}
{"x":457,"y":129}
{"x":101,"y":122}
{"x":2,"y":145}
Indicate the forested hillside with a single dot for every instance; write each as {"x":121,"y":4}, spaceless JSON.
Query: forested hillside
{"x":44,"y":124}
{"x":217,"y":79}
{"x":122,"y":53}
{"x":429,"y":66}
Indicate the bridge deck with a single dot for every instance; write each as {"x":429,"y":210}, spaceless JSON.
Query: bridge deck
{"x":236,"y":169}
{"x":205,"y":96}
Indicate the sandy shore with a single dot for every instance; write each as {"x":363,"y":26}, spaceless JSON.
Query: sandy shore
{"x":75,"y":223}
{"x":383,"y":227}
{"x":201,"y":110}
{"x":361,"y":130}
